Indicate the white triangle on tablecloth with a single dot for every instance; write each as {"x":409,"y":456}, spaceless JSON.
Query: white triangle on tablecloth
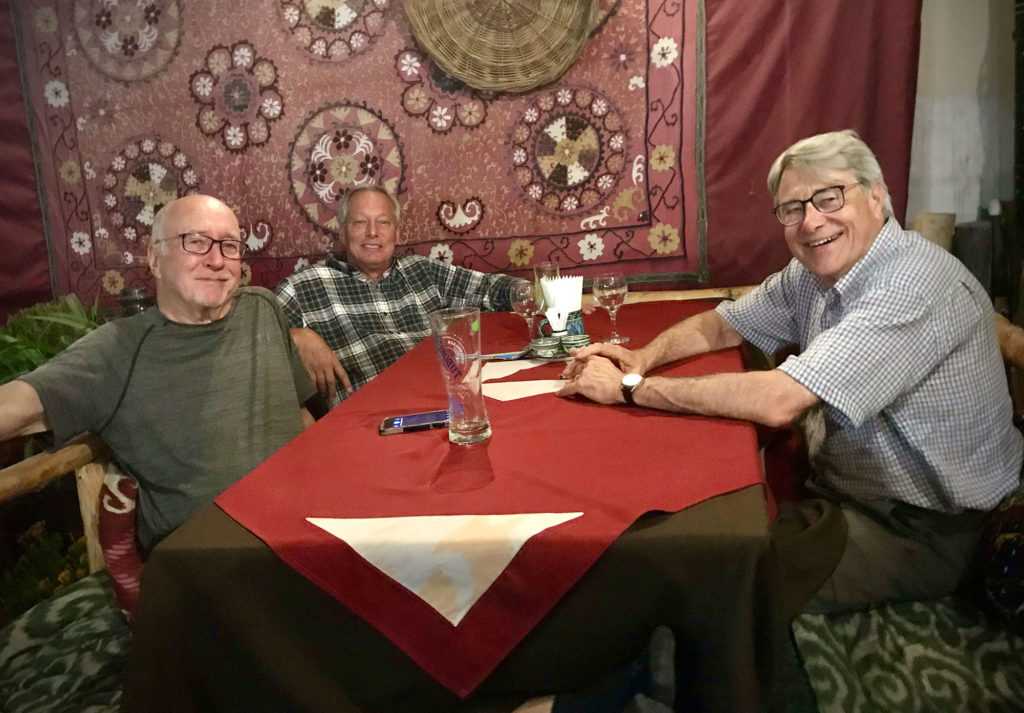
{"x":448,"y":561}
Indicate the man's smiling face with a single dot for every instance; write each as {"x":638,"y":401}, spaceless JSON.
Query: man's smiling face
{"x":370,"y":234}
{"x":829,"y":244}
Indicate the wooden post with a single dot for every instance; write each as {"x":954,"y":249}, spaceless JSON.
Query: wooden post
{"x":89,"y":479}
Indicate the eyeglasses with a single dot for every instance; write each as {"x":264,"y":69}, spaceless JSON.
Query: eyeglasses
{"x":824,"y":200}
{"x":199,"y":244}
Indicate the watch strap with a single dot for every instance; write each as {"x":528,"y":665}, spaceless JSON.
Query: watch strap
{"x":627,"y":391}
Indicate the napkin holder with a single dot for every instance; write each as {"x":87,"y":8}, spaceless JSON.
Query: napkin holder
{"x":563,"y":297}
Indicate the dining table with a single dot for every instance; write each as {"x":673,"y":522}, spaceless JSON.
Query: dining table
{"x":354,"y":571}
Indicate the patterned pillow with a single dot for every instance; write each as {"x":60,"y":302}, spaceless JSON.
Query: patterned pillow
{"x":117,"y":530}
{"x":998,"y":582}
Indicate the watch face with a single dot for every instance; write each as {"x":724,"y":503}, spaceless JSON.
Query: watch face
{"x":631,"y":379}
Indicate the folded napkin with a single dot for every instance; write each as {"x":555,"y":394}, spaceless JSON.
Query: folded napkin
{"x":563,"y":296}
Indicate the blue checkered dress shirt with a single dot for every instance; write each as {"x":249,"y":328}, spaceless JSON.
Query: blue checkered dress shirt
{"x":370,"y":325}
{"x":902,"y":351}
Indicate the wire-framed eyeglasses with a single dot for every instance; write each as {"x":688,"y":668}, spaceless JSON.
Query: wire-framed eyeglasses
{"x":824,"y":200}
{"x":200,"y":244}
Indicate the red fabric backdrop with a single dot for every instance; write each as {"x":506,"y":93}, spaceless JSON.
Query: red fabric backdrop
{"x":779,"y":71}
{"x":24,"y":269}
{"x":688,"y":116}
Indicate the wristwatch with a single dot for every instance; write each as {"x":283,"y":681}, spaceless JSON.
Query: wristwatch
{"x":630,"y":383}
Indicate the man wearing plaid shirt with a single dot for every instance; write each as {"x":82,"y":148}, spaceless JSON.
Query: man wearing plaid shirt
{"x":899,"y":367}
{"x":352,"y":318}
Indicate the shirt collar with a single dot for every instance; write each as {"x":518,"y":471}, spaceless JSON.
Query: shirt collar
{"x":339,"y":264}
{"x":883,"y":245}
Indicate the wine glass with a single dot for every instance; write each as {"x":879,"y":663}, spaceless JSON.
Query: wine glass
{"x":610,"y":292}
{"x":524,"y":303}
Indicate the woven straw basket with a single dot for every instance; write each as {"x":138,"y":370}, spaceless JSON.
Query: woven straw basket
{"x":502,"y":45}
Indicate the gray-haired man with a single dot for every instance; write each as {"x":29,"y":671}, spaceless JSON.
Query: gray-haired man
{"x":898,"y":365}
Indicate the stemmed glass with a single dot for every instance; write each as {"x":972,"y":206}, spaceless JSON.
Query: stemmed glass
{"x":610,"y":292}
{"x":524,"y":303}
{"x":548,"y":268}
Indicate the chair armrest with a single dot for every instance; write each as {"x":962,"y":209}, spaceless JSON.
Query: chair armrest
{"x":34,"y":473}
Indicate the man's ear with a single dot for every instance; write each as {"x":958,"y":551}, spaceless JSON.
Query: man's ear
{"x":153,"y":258}
{"x":876,"y":198}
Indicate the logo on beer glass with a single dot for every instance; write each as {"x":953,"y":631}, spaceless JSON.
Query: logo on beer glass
{"x":452,"y":352}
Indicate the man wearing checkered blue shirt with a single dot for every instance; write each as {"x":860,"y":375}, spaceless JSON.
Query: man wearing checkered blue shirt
{"x":898,"y":367}
{"x":352,"y":318}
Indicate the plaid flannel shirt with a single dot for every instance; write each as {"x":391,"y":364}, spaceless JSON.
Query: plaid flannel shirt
{"x":902,"y":352}
{"x":370,"y":325}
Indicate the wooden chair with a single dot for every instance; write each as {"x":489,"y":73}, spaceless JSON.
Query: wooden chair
{"x":1011,"y":344}
{"x":89,"y":459}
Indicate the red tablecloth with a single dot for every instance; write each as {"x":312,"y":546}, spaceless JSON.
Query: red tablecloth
{"x":546,"y":454}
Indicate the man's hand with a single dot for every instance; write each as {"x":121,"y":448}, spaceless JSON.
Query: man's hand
{"x":596,"y":378}
{"x":629,"y":362}
{"x":320,"y":361}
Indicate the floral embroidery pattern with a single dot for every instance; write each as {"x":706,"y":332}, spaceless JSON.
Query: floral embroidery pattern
{"x":337,"y":148}
{"x":625,"y":56}
{"x":56,"y":93}
{"x":142,"y":178}
{"x":81,"y":243}
{"x":441,"y":100}
{"x":128,"y":40}
{"x":100,"y":100}
{"x":335,"y":30}
{"x":69,"y":172}
{"x":664,"y":238}
{"x":520,"y":252}
{"x":442,"y":253}
{"x":664,"y":52}
{"x":113,"y":282}
{"x":567,"y":150}
{"x":237,"y":95}
{"x":591,"y":246}
{"x":663,"y":157}
{"x":46,"y":20}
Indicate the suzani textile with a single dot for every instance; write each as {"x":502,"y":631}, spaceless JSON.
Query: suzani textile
{"x":279,"y":107}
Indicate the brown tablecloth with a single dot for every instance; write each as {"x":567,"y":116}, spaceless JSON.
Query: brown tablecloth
{"x":226,"y":625}
{"x":600,"y":467}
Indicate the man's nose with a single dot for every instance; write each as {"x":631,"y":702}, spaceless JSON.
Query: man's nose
{"x":215,"y":258}
{"x":812,"y":217}
{"x":371,"y":228}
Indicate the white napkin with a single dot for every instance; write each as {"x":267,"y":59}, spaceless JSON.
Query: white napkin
{"x":563,"y":296}
{"x":449,"y":561}
{"x":501,"y":369}
{"x":510,"y":390}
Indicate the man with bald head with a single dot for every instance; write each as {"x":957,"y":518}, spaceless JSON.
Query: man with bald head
{"x":190,"y":395}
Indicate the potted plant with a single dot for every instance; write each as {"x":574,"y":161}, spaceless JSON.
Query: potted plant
{"x":34,"y":335}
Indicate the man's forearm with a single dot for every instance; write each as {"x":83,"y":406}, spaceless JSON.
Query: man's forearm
{"x":497,"y":292}
{"x":21,"y":411}
{"x":769,"y":397}
{"x":705,"y":332}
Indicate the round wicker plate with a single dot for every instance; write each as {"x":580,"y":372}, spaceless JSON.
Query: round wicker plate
{"x":502,"y":45}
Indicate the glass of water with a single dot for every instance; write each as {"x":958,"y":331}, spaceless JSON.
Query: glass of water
{"x":610,"y":290}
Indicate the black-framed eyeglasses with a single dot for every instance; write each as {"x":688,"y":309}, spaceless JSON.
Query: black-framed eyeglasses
{"x":824,"y":200}
{"x":200,"y":244}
